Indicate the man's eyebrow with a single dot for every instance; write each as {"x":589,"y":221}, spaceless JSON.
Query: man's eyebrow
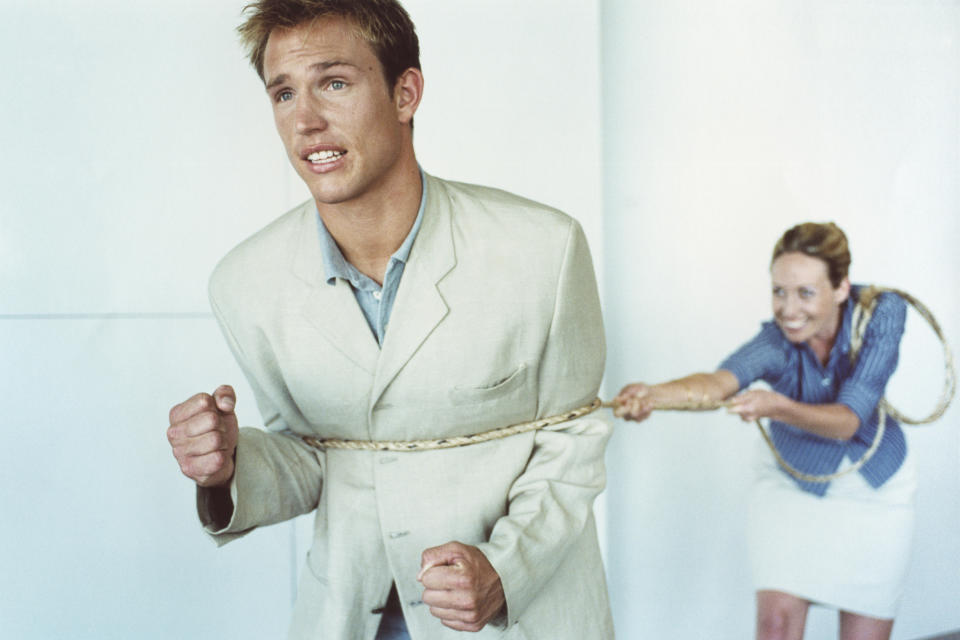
{"x":316,"y":66}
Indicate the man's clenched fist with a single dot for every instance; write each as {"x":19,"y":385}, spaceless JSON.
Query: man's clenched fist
{"x":203,"y":434}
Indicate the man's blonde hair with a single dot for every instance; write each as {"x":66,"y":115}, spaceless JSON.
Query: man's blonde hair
{"x":384,"y":24}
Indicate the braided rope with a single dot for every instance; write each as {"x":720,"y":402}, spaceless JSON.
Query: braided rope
{"x":454,"y":441}
{"x":827,"y":477}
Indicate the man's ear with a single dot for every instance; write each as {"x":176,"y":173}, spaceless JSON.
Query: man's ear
{"x":407,"y":93}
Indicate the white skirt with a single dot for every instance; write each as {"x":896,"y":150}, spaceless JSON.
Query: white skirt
{"x":848,"y":550}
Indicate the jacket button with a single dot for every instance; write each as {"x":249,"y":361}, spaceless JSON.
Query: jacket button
{"x":399,"y":534}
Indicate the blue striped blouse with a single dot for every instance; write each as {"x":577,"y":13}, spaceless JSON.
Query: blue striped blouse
{"x":795,"y":371}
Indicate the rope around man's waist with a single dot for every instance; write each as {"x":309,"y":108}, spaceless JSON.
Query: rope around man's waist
{"x":485,"y":436}
{"x":452,"y":441}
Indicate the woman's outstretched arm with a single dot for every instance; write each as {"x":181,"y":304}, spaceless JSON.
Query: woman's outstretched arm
{"x":697,"y":391}
{"x":704,"y":390}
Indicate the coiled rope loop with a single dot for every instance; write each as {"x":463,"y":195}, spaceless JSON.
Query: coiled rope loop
{"x":862,"y":312}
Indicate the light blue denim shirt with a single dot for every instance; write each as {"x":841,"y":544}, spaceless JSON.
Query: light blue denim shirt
{"x":794,"y":370}
{"x":375,"y":301}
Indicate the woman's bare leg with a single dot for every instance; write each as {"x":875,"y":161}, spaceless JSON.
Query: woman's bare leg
{"x":856,"y":627}
{"x":780,"y":616}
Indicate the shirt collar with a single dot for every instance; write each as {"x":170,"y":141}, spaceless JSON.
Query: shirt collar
{"x":336,"y":266}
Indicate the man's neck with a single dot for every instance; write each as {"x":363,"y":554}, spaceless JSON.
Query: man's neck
{"x":370,"y":229}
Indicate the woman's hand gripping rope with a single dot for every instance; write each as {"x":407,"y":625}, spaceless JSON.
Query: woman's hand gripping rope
{"x":637,"y":401}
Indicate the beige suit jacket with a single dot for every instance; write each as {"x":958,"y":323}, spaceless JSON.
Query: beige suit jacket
{"x":496,"y":321}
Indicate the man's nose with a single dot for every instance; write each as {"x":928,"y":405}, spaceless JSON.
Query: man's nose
{"x":309,"y":115}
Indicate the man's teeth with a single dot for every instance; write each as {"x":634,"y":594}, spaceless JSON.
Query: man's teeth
{"x":324,"y":156}
{"x":794,"y":324}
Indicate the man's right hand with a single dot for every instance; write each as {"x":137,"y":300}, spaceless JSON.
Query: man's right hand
{"x":203,"y":434}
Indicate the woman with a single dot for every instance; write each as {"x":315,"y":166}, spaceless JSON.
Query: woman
{"x":843,"y":543}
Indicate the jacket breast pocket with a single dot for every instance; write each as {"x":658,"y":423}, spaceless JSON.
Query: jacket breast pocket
{"x":497,"y":389}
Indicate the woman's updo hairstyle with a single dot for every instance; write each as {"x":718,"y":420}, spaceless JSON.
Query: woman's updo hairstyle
{"x":825,"y":241}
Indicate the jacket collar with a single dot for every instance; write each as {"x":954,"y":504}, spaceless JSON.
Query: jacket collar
{"x":417,"y":310}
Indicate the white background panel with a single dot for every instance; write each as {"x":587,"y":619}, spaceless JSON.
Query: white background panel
{"x":99,"y":525}
{"x":137,"y":149}
{"x":512,"y":99}
{"x":725,"y":124}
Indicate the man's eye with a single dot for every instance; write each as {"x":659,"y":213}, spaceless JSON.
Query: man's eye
{"x":337,"y":85}
{"x":806,"y":293}
{"x":283,"y":96}
{"x":778,"y":292}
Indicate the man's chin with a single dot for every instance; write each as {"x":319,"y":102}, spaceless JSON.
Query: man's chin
{"x":330,"y":195}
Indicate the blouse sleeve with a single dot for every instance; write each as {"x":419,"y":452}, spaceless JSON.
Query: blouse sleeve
{"x":877,"y":360}
{"x":759,"y":359}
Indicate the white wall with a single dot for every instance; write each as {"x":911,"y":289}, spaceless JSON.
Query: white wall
{"x":130,"y":134}
{"x":137,"y":148}
{"x":724,"y":124}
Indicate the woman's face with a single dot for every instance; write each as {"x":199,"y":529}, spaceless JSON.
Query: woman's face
{"x":805,"y":303}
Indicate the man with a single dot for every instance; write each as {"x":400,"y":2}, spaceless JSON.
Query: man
{"x":397,"y":306}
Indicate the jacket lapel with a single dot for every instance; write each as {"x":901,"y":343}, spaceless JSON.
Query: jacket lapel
{"x":331,"y":309}
{"x":419,"y":306}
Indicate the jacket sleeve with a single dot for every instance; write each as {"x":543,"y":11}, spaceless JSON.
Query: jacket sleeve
{"x":550,"y":503}
{"x":277,"y":476}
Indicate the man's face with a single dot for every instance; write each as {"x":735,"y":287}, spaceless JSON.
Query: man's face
{"x":342,"y":128}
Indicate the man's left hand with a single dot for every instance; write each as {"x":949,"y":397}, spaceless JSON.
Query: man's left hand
{"x":461,"y":586}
